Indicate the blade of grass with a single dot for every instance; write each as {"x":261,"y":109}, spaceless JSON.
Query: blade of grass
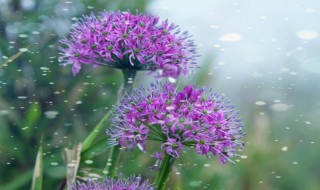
{"x":38,"y":170}
{"x":13,"y":57}
{"x":19,"y":181}
{"x":101,"y":125}
{"x":32,"y":117}
{"x":95,"y":150}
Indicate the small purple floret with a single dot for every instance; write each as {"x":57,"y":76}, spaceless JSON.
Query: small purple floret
{"x":124,"y":40}
{"x":132,"y":183}
{"x":178,"y":119}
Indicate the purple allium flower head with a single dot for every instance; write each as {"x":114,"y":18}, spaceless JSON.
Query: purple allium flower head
{"x":178,"y":119}
{"x":125,"y":40}
{"x":132,"y":183}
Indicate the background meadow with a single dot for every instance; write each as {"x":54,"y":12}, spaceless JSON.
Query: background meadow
{"x":263,"y":55}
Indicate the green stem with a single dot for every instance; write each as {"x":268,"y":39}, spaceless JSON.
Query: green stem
{"x":114,"y":156}
{"x":128,"y":78}
{"x":113,"y":160}
{"x":164,"y":171}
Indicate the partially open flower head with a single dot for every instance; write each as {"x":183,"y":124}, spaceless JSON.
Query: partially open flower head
{"x":178,"y":119}
{"x":132,"y":183}
{"x":125,"y":40}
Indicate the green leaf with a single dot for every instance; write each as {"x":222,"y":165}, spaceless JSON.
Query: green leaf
{"x":92,"y":136}
{"x":19,"y":181}
{"x":95,"y":150}
{"x":32,"y":117}
{"x":38,"y":170}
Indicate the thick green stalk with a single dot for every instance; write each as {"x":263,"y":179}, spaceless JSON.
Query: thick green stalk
{"x":128,"y":78}
{"x":113,"y":161}
{"x":164,"y":171}
{"x":114,"y":156}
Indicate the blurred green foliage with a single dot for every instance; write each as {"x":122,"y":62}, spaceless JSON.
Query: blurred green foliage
{"x":40,"y":98}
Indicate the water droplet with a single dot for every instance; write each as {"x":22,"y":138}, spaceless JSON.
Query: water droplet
{"x":44,"y":68}
{"x":256,"y":74}
{"x":194,"y":183}
{"x":310,"y":10}
{"x":293,"y":73}
{"x":214,"y":27}
{"x":23,"y":35}
{"x":172,"y":80}
{"x":23,"y":49}
{"x":54,"y":163}
{"x":279,"y":107}
{"x":35,"y":32}
{"x":284,"y":69}
{"x":206,"y":165}
{"x":244,"y":156}
{"x":307,"y":34}
{"x":263,"y":17}
{"x":285,"y":148}
{"x":4,"y":112}
{"x":231,"y":37}
{"x":51,"y":114}
{"x":25,"y":128}
{"x":295,"y":163}
{"x":88,"y":161}
{"x":22,"y":97}
{"x":71,"y":165}
{"x":260,"y":103}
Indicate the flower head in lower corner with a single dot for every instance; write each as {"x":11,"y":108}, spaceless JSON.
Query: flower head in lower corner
{"x":178,"y":119}
{"x":132,"y":183}
{"x":126,"y":40}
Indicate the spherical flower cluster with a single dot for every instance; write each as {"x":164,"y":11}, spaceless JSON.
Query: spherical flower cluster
{"x":132,"y":183}
{"x":124,"y":40}
{"x":177,"y":119}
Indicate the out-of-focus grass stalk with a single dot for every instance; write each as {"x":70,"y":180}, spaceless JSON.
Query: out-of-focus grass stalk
{"x":38,"y":170}
{"x":164,"y":171}
{"x":88,"y":142}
